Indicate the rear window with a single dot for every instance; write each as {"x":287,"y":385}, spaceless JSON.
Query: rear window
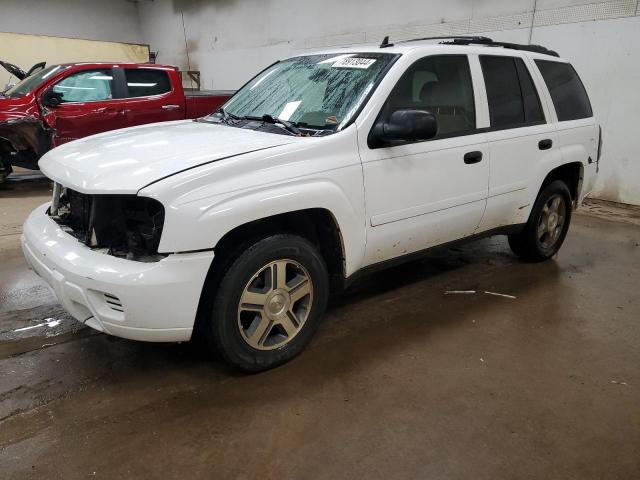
{"x":145,"y":82}
{"x":513,"y":99}
{"x":567,"y":91}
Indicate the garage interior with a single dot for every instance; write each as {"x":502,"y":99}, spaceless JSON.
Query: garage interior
{"x":467,"y":363}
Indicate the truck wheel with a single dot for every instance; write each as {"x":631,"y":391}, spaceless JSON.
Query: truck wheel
{"x":268,"y":303}
{"x":5,"y":171}
{"x":548,"y":224}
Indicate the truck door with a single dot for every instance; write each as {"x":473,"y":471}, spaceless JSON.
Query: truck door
{"x":89,"y":104}
{"x":151,"y":97}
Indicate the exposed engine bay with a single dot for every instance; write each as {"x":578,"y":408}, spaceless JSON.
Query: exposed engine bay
{"x":125,"y":226}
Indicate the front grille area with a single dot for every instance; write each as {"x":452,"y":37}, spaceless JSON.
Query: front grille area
{"x":125,"y":226}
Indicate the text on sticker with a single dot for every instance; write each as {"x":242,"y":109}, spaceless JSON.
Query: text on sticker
{"x":354,"y":62}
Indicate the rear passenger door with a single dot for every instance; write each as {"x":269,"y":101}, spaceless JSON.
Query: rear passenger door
{"x":520,"y":139}
{"x":150,"y":96}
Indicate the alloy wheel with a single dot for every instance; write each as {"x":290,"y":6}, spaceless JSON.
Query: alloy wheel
{"x":275,"y":304}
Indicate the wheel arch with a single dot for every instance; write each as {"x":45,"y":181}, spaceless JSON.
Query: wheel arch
{"x":571,"y":174}
{"x":317,"y":225}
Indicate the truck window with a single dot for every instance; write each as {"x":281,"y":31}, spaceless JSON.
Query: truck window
{"x":86,"y":86}
{"x":512,"y":96}
{"x":441,"y":85}
{"x":33,"y":81}
{"x":567,"y":91}
{"x":145,"y":82}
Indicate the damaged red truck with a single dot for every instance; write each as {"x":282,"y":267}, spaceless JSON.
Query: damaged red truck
{"x":61,"y":103}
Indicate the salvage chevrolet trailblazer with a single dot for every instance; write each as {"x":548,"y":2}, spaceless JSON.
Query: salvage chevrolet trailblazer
{"x":236,"y":226}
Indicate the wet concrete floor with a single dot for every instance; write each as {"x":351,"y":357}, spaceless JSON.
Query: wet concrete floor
{"x":402,"y":381}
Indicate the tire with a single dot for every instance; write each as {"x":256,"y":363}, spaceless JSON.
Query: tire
{"x":263,"y":313}
{"x":544,"y":233}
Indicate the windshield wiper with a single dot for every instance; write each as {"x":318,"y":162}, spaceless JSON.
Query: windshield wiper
{"x":227,"y":115}
{"x":289,"y":126}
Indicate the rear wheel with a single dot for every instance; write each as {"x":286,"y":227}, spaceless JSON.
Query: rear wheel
{"x":268,"y":303}
{"x":548,"y":224}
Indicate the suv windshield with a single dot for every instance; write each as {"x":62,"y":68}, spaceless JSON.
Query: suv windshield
{"x":321,"y":92}
{"x":29,"y":83}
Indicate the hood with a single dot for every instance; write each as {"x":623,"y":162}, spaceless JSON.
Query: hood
{"x":124,"y":161}
{"x":18,"y":72}
{"x":14,"y":70}
{"x":13,"y":108}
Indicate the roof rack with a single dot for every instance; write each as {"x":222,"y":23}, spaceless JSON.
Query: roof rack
{"x":476,"y":40}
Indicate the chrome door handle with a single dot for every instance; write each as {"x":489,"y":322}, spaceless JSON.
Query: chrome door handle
{"x":170,"y":107}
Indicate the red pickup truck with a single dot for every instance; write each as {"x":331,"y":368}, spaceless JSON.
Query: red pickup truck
{"x":60,"y":103}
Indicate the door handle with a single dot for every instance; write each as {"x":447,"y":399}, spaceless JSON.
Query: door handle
{"x":117,"y":111}
{"x":472,"y":157}
{"x":170,"y":107}
{"x":545,"y":144}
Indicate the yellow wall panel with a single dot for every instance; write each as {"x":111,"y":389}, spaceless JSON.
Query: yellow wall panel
{"x":26,"y":50}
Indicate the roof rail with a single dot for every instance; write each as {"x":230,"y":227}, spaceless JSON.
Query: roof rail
{"x":476,"y":40}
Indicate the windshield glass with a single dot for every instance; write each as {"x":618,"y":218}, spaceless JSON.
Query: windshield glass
{"x":315,"y":91}
{"x":29,"y":83}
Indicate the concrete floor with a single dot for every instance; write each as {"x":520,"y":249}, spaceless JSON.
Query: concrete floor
{"x":402,"y":380}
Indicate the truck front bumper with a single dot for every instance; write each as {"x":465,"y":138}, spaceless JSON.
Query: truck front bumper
{"x":154,"y":302}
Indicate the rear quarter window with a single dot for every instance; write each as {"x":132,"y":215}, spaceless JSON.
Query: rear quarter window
{"x":567,"y":91}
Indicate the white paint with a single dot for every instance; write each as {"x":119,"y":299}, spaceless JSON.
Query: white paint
{"x":212,"y":178}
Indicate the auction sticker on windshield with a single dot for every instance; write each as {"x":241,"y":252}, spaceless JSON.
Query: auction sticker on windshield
{"x":354,"y":62}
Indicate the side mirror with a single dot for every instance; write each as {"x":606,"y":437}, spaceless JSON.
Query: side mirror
{"x":404,"y":125}
{"x":50,"y":98}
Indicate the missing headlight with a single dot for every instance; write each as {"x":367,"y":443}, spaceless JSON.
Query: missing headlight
{"x":125,"y":226}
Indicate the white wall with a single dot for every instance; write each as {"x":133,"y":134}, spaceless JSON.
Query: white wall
{"x":230,"y":40}
{"x":110,"y":20}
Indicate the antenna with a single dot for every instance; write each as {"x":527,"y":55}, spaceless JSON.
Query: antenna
{"x":385,"y":42}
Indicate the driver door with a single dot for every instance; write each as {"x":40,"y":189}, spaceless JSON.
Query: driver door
{"x":90,"y":104}
{"x":426,"y":193}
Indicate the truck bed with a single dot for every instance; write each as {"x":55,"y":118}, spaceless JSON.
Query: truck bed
{"x":203,"y":102}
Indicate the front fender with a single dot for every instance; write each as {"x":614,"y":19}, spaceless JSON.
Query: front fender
{"x":203,"y":205}
{"x":209,"y":223}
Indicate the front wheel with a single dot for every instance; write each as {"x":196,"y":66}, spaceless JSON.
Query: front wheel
{"x":548,"y":224}
{"x":269,"y":303}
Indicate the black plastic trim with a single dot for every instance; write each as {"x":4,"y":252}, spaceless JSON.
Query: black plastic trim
{"x":363,"y":272}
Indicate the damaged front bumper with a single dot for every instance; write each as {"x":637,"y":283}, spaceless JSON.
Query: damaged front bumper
{"x":154,"y":302}
{"x":23,"y":140}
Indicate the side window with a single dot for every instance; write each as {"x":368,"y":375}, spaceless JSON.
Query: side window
{"x":567,"y":91}
{"x":144,"y":82}
{"x":513,"y":99}
{"x":86,"y":86}
{"x":441,"y":85}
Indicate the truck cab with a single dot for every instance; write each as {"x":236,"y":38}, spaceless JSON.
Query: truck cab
{"x":61,"y":103}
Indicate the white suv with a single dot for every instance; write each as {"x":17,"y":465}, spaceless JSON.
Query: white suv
{"x":324,"y":166}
